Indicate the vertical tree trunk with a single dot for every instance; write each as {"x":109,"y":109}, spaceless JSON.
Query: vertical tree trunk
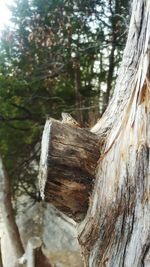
{"x":116,"y":229}
{"x":77,"y":74}
{"x":34,"y":256}
{"x":106,"y":95}
{"x":1,"y":262}
{"x":7,"y":212}
{"x":114,"y":36}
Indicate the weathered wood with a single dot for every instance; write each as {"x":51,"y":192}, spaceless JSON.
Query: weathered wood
{"x":69,"y":156}
{"x":116,"y":230}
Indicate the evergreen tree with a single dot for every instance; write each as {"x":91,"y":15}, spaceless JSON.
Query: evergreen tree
{"x":57,"y":56}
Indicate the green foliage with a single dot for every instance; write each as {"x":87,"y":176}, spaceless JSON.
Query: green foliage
{"x":56,"y":54}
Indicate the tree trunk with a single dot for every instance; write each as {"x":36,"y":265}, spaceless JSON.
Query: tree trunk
{"x":33,"y":257}
{"x":8,"y":213}
{"x":78,"y":97}
{"x":106,"y":95}
{"x":1,"y":261}
{"x":116,"y":229}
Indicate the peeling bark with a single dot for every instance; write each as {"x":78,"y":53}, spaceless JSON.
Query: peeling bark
{"x":116,"y":230}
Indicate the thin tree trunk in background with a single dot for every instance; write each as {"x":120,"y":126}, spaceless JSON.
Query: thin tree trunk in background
{"x":1,"y":262}
{"x":114,"y":20}
{"x":8,"y":213}
{"x":77,"y":74}
{"x":106,"y":95}
{"x":77,"y":93}
{"x":34,"y":245}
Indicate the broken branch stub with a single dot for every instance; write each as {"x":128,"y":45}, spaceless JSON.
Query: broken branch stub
{"x":69,"y":157}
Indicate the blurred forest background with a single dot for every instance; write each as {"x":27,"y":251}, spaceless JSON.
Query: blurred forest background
{"x":57,"y":55}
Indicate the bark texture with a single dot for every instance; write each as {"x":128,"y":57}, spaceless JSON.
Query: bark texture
{"x":69,"y":157}
{"x":116,"y":230}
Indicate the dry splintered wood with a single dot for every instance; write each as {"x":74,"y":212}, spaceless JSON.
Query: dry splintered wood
{"x":69,"y":157}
